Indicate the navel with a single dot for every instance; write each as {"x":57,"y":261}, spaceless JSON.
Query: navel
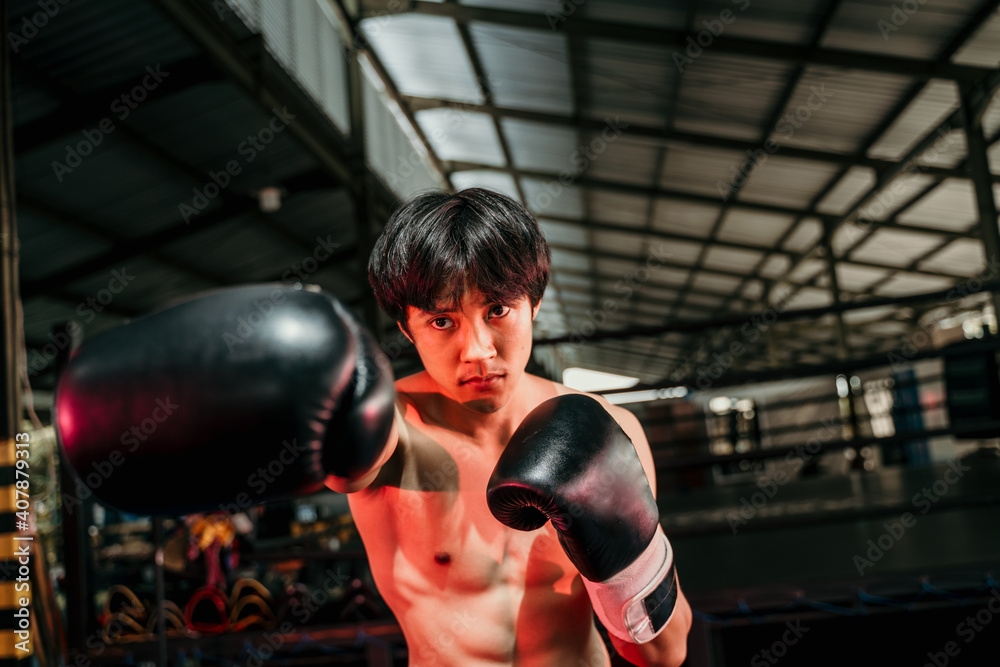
{"x":442,"y":558}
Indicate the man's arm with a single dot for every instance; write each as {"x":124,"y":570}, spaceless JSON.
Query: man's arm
{"x":397,"y":437}
{"x":572,"y":462}
{"x":669,"y":648}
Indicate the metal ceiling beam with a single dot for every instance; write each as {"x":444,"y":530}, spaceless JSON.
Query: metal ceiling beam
{"x":767,"y":250}
{"x":580,"y":90}
{"x":749,"y":161}
{"x":901,"y":105}
{"x":659,"y":136}
{"x":883,"y":126}
{"x":265,"y":82}
{"x":911,"y":266}
{"x":577,"y":91}
{"x":636,"y":297}
{"x":602,"y":254}
{"x":86,"y":112}
{"x":43,"y":209}
{"x":741,"y":319}
{"x":988,"y":80}
{"x":973,"y":232}
{"x":626,"y":188}
{"x":658,"y":36}
{"x":974,"y":102}
{"x":129,"y":247}
{"x":664,"y":149}
{"x":650,"y":213}
{"x":797,"y":370}
{"x":667,"y":193}
{"x":956,"y":119}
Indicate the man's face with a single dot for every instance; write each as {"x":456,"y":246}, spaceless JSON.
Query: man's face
{"x":477,"y":350}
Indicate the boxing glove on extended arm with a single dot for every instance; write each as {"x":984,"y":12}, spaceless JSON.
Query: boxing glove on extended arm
{"x":570,"y":462}
{"x":237,"y":395}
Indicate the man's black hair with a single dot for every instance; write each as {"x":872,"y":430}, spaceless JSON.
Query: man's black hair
{"x":439,"y":244}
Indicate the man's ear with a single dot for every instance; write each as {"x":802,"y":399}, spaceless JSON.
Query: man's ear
{"x":405,"y":332}
{"x":534,"y":311}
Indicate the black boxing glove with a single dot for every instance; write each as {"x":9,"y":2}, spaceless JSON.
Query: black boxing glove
{"x":239,"y":395}
{"x":570,"y":462}
{"x":364,"y":420}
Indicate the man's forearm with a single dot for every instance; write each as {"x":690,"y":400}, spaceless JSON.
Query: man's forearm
{"x":667,"y":649}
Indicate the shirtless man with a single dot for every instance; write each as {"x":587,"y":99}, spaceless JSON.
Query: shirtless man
{"x":453,"y":473}
{"x":464,"y":276}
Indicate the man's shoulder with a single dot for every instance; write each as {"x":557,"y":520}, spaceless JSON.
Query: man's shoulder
{"x":558,"y":389}
{"x":412,"y":383}
{"x":411,"y":390}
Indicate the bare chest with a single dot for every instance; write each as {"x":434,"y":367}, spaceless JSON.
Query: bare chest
{"x":444,"y":535}
{"x":450,"y":570}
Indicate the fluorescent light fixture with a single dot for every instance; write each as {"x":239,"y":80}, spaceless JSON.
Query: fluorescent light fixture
{"x":269,"y":198}
{"x":721,"y":405}
{"x":584,"y":379}
{"x":646,"y":395}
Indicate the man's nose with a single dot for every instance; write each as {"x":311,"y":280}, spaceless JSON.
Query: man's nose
{"x":477,"y":343}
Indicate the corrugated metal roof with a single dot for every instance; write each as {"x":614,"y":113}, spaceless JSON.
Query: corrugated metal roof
{"x":693,"y":155}
{"x":424,"y":56}
{"x":524,"y":69}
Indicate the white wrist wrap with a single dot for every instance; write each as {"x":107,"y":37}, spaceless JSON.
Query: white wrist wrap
{"x":637,"y":603}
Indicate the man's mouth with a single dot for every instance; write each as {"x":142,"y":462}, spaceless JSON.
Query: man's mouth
{"x":482,"y":380}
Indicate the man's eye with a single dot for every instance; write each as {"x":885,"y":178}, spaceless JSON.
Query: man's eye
{"x":441,"y":323}
{"x":499,"y":310}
